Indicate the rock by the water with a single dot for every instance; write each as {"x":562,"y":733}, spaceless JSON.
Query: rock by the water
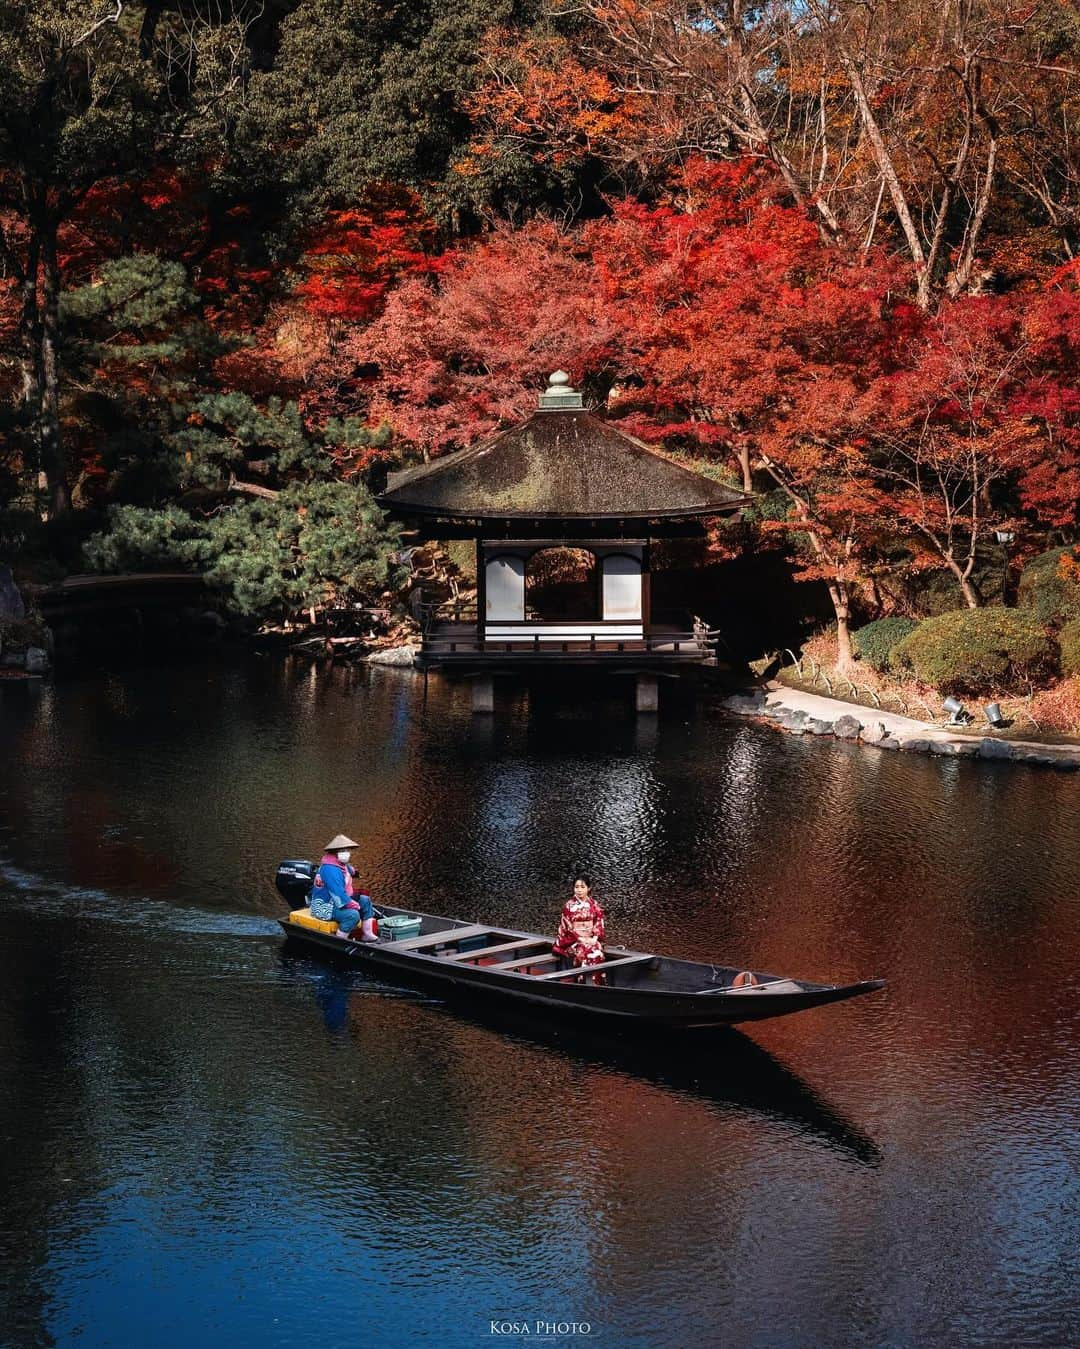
{"x":873,"y":734}
{"x":995,"y":749}
{"x":12,"y":608}
{"x":744,"y":702}
{"x":847,"y":727}
{"x":394,"y":655}
{"x":816,"y":726}
{"x":37,"y":660}
{"x":915,"y":746}
{"x":888,"y":742}
{"x":954,"y":749}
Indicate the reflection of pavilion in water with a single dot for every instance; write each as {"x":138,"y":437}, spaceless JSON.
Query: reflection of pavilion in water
{"x":563,"y":510}
{"x":523,"y":828}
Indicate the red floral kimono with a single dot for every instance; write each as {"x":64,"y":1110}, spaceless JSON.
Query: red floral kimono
{"x":580,"y":938}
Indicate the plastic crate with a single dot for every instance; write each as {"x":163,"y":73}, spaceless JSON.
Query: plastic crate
{"x":398,"y":927}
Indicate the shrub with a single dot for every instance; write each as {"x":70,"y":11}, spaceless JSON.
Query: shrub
{"x":976,"y":651}
{"x":875,"y":641}
{"x":1069,"y":641}
{"x":1058,"y":709}
{"x":1050,"y":585}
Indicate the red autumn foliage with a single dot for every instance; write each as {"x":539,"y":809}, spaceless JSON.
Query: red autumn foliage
{"x":461,"y":358}
{"x":732,"y":329}
{"x":353,"y":257}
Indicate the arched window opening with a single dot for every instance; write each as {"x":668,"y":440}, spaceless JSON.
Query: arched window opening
{"x":560,"y":585}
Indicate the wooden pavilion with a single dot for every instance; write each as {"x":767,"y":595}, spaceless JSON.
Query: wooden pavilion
{"x":563,"y":509}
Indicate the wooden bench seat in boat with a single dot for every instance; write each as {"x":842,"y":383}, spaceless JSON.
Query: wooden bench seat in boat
{"x":519,"y":944}
{"x":303,"y":918}
{"x":593,"y":969}
{"x":538,"y":959}
{"x":434,"y":939}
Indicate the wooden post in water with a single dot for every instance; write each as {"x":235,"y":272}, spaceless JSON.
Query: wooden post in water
{"x":646,"y":694}
{"x":483,"y":694}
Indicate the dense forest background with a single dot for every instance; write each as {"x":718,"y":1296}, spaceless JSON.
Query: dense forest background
{"x":254,"y":254}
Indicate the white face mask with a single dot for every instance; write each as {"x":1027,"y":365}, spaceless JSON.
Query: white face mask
{"x":344,"y":856}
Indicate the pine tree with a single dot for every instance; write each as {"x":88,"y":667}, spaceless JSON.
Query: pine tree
{"x":362,"y":92}
{"x":88,"y":93}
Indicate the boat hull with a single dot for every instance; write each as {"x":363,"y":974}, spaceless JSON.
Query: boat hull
{"x":653,"y":991}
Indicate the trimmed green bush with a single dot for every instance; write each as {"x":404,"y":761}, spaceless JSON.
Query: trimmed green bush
{"x":1054,"y":596}
{"x":874,"y":641}
{"x":977,"y":651}
{"x":1069,"y":641}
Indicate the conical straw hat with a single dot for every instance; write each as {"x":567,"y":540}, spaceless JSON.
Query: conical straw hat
{"x":340,"y":841}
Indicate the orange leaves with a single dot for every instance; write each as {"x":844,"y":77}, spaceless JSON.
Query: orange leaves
{"x":540,"y":96}
{"x":1069,"y":566}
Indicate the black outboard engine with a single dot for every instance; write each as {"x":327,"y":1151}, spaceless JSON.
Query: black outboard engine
{"x":294,"y":881}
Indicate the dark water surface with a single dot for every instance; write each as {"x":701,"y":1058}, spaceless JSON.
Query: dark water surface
{"x":206,"y":1140}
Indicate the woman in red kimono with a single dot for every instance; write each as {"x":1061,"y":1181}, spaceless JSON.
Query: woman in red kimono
{"x":580,"y":939}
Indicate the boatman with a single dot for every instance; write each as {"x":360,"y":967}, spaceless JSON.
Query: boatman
{"x":336,"y":895}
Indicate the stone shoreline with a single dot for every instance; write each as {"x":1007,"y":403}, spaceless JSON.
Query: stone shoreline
{"x":800,"y":713}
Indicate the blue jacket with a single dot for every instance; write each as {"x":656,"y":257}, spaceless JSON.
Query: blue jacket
{"x":332,"y":895}
{"x":328,"y":899}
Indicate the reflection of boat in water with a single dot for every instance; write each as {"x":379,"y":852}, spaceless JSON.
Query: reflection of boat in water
{"x":484,"y":960}
{"x":736,"y":1074}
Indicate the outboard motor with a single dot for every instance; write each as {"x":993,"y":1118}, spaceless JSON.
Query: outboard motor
{"x":294,"y":881}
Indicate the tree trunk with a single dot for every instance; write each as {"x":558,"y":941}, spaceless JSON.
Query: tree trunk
{"x":885,"y":164}
{"x":968,"y":588}
{"x":53,"y":460}
{"x":841,"y":600}
{"x":30,"y":358}
{"x":963,"y":579}
{"x":743,"y":454}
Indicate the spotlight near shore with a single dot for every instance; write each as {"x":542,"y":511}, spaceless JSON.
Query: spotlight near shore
{"x":958,"y":714}
{"x":992,"y":712}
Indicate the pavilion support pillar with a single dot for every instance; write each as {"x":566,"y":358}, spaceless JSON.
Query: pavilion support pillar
{"x":483,"y":694}
{"x":646,"y":694}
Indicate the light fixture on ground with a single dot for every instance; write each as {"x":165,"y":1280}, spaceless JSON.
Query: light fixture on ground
{"x":958,"y":715}
{"x":992,"y":712}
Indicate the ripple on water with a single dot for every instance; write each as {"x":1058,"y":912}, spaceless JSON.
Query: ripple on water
{"x":209,"y":1137}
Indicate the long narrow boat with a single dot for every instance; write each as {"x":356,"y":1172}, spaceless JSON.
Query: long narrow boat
{"x":488,"y":960}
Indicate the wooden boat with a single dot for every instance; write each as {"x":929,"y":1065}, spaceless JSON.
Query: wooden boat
{"x":490,"y":961}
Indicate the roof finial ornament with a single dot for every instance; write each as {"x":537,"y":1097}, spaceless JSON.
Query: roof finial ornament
{"x":559,"y":396}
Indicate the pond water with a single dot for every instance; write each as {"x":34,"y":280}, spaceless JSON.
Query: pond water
{"x":210,"y":1140}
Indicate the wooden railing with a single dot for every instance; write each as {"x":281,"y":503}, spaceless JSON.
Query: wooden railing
{"x":685,"y":646}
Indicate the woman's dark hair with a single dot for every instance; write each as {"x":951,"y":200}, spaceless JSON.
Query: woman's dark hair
{"x":582,"y":876}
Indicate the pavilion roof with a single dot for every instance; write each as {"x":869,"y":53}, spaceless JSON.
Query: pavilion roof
{"x":562,"y":463}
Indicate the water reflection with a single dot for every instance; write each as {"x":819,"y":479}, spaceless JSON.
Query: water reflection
{"x":724,"y":1070}
{"x":188,"y":1109}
